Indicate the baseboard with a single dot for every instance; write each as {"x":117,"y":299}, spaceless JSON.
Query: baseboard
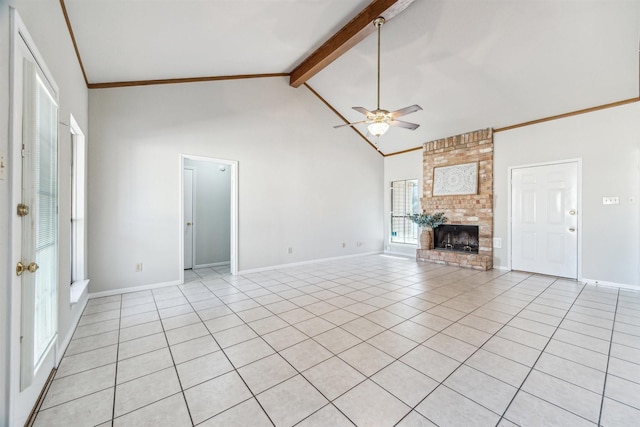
{"x":294,"y":264}
{"x":212,"y":264}
{"x":34,"y":411}
{"x":398,"y":249}
{"x":78,"y":310}
{"x":133,"y":289}
{"x":610,"y":284}
{"x":501,"y":268}
{"x":398,"y":255}
{"x":253,"y":270}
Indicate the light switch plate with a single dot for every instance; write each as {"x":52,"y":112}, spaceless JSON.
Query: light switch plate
{"x":610,"y":200}
{"x":497,"y":242}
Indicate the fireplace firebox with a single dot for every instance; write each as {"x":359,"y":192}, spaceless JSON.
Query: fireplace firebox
{"x":460,"y":238}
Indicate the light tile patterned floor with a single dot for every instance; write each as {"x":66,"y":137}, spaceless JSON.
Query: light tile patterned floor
{"x":370,"y":341}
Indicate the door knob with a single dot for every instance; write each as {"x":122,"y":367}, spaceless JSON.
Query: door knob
{"x":571,"y":229}
{"x":21,"y":268}
{"x":22,"y":210}
{"x":572,"y":212}
{"x":188,"y":224}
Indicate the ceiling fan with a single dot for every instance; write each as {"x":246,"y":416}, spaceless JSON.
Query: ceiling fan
{"x":379,"y":120}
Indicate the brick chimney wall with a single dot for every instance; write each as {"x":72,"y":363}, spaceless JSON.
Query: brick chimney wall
{"x":476,"y":146}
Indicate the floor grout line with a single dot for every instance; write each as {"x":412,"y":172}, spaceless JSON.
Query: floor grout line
{"x":175,"y":367}
{"x":606,"y":373}
{"x":457,"y":291}
{"x":441,"y":383}
{"x":115,"y":377}
{"x":536,"y":361}
{"x":253,"y":395}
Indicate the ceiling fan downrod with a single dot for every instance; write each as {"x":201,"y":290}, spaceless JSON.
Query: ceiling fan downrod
{"x":378,"y":22}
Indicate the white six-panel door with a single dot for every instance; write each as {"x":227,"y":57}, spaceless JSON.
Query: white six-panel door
{"x":544,"y":219}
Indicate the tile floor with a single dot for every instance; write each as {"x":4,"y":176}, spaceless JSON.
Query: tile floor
{"x":370,"y":341}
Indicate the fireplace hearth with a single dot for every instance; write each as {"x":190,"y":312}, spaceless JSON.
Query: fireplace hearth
{"x":459,"y":238}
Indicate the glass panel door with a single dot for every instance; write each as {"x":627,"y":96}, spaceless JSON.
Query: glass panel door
{"x":40,"y":226}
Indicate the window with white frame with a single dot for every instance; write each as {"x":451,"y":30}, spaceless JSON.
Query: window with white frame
{"x":78,"y":198}
{"x":404,"y":202}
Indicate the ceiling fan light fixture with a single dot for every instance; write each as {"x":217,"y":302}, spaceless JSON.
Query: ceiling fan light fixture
{"x":378,"y":128}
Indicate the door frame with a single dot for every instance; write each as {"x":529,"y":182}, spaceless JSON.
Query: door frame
{"x":32,"y":392}
{"x":578,"y":162}
{"x":233,"y":164}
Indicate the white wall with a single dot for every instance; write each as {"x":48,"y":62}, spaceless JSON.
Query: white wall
{"x":212,"y":212}
{"x":608,"y":142}
{"x":396,"y":168}
{"x":45,"y":22}
{"x":302,"y":184}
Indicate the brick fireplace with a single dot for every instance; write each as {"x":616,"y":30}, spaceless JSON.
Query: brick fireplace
{"x":469,"y":209}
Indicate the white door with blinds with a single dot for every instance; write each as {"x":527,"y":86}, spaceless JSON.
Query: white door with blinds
{"x":34,"y":142}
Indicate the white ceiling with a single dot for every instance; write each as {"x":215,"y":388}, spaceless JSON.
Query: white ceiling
{"x":470,"y":64}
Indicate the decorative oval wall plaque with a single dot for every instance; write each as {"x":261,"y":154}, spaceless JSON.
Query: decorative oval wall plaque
{"x":455,"y":180}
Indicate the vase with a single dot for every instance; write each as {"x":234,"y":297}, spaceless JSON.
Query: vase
{"x":425,"y":241}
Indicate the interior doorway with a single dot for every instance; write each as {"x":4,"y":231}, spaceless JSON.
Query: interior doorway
{"x":208,"y":200}
{"x":545,"y":218}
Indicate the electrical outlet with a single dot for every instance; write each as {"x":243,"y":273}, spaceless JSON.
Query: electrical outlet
{"x":289,"y":250}
{"x":138,"y":267}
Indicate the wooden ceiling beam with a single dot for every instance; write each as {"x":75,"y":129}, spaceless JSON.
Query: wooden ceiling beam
{"x":347,"y":37}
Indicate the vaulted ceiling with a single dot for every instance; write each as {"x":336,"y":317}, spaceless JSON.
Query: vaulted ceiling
{"x":470,"y":64}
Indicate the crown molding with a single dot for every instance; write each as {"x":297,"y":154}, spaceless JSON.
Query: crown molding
{"x":542,"y":120}
{"x":569,"y":114}
{"x":108,"y":85}
{"x":409,"y":150}
{"x":325,"y":102}
{"x":73,"y":40}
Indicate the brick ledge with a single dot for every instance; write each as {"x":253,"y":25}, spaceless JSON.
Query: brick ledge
{"x":480,"y":261}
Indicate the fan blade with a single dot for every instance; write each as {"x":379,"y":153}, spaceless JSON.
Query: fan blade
{"x":402,"y":124}
{"x":349,"y":124}
{"x":362,"y":110}
{"x":406,"y":110}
